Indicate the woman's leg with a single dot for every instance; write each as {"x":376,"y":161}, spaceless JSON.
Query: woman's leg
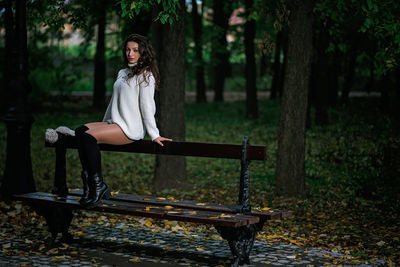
{"x":99,"y":132}
{"x":84,"y":174}
{"x":106,"y":133}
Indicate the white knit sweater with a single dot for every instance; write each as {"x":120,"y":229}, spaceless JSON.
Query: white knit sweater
{"x":132,"y":106}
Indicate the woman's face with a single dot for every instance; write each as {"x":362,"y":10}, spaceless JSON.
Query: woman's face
{"x":132,"y":52}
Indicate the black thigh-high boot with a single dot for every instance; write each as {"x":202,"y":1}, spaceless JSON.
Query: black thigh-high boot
{"x":84,"y":174}
{"x":97,"y":188}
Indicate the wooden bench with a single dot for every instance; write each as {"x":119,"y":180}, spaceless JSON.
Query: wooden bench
{"x":238,"y":224}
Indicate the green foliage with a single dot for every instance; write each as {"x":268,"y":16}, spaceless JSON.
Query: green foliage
{"x":168,"y":9}
{"x":375,"y":23}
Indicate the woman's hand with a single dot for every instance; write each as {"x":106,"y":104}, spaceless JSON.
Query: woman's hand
{"x":158,"y":140}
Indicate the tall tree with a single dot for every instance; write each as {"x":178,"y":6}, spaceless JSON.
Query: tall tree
{"x":277,"y":66}
{"x":8,"y":23}
{"x":290,"y":171}
{"x":99,"y":91}
{"x":220,"y":54}
{"x":198,"y":50}
{"x":18,"y":176}
{"x":170,"y":171}
{"x":250,"y":67}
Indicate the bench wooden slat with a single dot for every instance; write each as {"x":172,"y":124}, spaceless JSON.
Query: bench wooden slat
{"x":194,"y":205}
{"x":197,"y":149}
{"x":145,"y":210}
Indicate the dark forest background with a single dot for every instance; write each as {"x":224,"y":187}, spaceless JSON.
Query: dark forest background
{"x":328,"y":73}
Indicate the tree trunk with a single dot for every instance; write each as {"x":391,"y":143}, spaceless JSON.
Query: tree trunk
{"x":170,"y":171}
{"x":321,"y":77}
{"x":277,"y":66}
{"x":99,"y":93}
{"x":220,"y":53}
{"x":350,"y":73}
{"x":198,"y":48}
{"x":8,"y":25}
{"x":140,"y":24}
{"x":18,"y":175}
{"x":250,"y":67}
{"x":290,"y":171}
{"x":284,"y":65}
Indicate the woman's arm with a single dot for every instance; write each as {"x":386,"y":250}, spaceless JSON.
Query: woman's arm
{"x":148,"y":107}
{"x":148,"y":110}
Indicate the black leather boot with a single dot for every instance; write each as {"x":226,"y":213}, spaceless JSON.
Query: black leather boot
{"x":84,"y":174}
{"x":98,"y":190}
{"x":85,"y":182}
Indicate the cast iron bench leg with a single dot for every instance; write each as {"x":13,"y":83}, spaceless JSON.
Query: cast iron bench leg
{"x":241,"y":241}
{"x":58,"y":218}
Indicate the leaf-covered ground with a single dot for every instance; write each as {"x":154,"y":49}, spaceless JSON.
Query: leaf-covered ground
{"x":352,"y":203}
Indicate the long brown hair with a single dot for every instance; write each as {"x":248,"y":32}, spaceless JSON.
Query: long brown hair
{"x":147,"y":62}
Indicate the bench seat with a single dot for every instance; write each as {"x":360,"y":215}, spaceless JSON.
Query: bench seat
{"x":266,"y":214}
{"x":145,"y":209}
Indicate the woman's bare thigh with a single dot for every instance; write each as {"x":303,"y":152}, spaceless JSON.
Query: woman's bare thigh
{"x":106,"y":133}
{"x":92,"y":125}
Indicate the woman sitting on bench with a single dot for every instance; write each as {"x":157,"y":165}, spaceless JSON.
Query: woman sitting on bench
{"x":129,"y":114}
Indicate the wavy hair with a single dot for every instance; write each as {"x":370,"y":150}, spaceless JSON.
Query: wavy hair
{"x":147,"y":62}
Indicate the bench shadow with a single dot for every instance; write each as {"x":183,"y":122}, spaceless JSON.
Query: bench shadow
{"x":149,"y":250}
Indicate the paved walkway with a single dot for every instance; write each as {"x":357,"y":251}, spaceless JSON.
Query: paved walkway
{"x":135,"y":244}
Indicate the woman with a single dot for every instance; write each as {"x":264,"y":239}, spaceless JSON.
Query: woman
{"x":129,"y":114}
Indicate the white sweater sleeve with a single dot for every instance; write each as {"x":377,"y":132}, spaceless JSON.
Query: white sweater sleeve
{"x":148,"y":107}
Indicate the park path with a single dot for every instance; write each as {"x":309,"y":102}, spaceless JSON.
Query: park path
{"x":135,"y":244}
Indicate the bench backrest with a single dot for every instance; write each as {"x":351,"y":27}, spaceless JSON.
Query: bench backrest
{"x":196,"y":149}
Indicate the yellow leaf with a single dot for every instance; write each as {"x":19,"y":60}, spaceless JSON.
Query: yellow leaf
{"x":135,"y":259}
{"x":147,"y":223}
{"x":79,"y":233}
{"x":266,"y":208}
{"x":192,"y":212}
{"x":161,"y":198}
{"x":146,"y":198}
{"x":147,"y":209}
{"x":226,"y":216}
{"x":113,"y":220}
{"x":168,"y":207}
{"x":171,"y":198}
{"x":73,"y":252}
{"x":214,"y":217}
{"x":200,"y":204}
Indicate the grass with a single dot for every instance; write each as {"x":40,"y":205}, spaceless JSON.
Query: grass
{"x":335,"y":153}
{"x":352,"y":192}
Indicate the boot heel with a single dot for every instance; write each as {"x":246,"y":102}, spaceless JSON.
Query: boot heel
{"x":107,"y":194}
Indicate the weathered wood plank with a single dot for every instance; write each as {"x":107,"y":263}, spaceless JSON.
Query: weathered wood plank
{"x":270,"y":214}
{"x":196,"y":149}
{"x":144,"y":210}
